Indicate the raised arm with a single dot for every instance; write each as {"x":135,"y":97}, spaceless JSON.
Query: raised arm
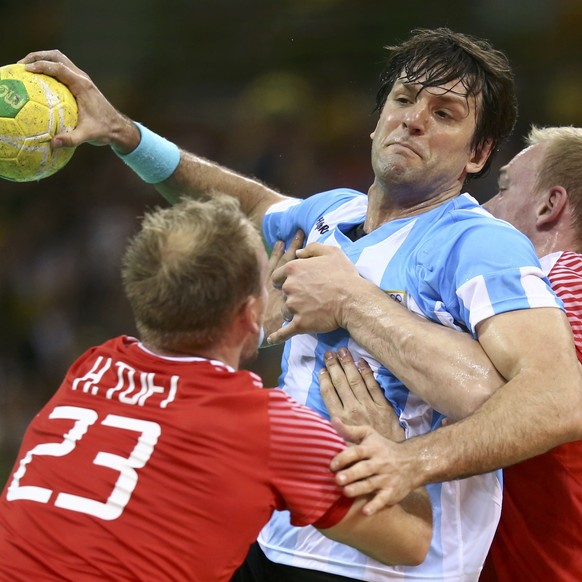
{"x":195,"y":175}
{"x":173,"y":172}
{"x":448,"y":369}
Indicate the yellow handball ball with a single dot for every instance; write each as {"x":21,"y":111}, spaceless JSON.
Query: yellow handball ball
{"x":33,"y":109}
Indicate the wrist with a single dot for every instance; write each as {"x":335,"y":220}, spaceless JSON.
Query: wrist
{"x":422,"y":462}
{"x":125,"y":136}
{"x":154,"y":159}
{"x":351,"y":307}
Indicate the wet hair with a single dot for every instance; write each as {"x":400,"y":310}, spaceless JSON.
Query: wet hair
{"x":188,"y":270}
{"x":436,"y":57}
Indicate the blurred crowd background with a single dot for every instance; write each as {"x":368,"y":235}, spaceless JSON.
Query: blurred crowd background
{"x":280,"y":89}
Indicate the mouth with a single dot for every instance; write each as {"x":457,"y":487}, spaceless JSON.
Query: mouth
{"x":405,"y":146}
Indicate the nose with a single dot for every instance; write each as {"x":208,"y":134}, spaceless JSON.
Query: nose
{"x":415,"y":117}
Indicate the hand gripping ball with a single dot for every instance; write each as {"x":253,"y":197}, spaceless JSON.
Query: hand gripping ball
{"x":33,"y":109}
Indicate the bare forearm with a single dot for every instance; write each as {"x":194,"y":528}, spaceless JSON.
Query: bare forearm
{"x":524,"y":418}
{"x":399,"y":534}
{"x":539,"y":408}
{"x":197,"y":176}
{"x":446,"y":368}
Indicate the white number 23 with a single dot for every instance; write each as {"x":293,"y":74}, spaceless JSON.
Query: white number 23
{"x":149,"y":433}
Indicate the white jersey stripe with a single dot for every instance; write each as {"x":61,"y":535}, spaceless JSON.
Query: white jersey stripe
{"x":450,"y":265}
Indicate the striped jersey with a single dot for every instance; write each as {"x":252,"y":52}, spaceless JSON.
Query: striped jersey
{"x":539,"y":535}
{"x":450,"y":265}
{"x":144,"y":467}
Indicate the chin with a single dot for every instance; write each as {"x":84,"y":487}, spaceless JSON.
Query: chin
{"x":395,"y":169}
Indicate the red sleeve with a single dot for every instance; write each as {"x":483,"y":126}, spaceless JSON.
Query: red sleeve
{"x":566,"y":279}
{"x":302,"y":446}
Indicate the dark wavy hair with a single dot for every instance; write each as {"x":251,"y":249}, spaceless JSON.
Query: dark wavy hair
{"x":436,"y":57}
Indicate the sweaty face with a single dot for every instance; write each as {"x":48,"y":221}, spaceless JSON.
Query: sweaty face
{"x":516,"y":197}
{"x":423,"y":139}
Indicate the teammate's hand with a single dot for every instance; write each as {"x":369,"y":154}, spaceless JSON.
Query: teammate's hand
{"x":352,"y":394}
{"x":375,"y":466}
{"x":99,"y":123}
{"x":275,"y":314}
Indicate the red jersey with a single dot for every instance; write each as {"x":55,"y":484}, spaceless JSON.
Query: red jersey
{"x":540,"y":532}
{"x":150,"y":468}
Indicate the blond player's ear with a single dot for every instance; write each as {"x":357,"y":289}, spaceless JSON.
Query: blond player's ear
{"x":250,"y":314}
{"x":552,"y":203}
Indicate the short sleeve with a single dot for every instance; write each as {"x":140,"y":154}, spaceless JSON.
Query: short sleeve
{"x":484,"y":270}
{"x":302,"y":447}
{"x":282,"y":220}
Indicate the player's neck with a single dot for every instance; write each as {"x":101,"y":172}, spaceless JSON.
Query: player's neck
{"x":561,"y":237}
{"x":384,"y":207}
{"x":230,"y":357}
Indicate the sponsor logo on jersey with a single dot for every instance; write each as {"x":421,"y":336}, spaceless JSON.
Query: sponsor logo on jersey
{"x":320,"y":225}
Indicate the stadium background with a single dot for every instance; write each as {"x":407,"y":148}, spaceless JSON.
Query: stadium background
{"x":283,"y":90}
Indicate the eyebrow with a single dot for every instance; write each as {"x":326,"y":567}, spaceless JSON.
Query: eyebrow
{"x":448,"y":95}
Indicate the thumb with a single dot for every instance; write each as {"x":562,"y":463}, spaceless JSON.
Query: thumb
{"x":354,"y":434}
{"x":64,"y":140}
{"x":283,"y":334}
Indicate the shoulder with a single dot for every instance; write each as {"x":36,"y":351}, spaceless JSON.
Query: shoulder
{"x":320,"y":212}
{"x":467,"y":215}
{"x":327,"y":198}
{"x":466,"y":230}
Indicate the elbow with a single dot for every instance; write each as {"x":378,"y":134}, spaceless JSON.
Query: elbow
{"x":420,"y":530}
{"x":469,"y":400}
{"x":420,"y":549}
{"x":415,"y":552}
{"x":423,"y":540}
{"x":424,"y":529}
{"x":570,"y":418}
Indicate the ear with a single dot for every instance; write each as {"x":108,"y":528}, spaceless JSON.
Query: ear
{"x":375,"y":128}
{"x":249,"y":314}
{"x":551,"y":206}
{"x":479,"y":158}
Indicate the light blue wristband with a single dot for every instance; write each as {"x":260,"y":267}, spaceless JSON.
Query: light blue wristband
{"x":154,"y":159}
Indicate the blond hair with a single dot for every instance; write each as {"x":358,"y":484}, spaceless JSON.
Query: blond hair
{"x":561,"y":164}
{"x":188,"y":269}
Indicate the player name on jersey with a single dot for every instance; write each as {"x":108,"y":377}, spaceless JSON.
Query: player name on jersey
{"x":129,"y":387}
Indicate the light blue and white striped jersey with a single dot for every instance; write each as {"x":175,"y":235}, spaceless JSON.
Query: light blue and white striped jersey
{"x":456,"y":265}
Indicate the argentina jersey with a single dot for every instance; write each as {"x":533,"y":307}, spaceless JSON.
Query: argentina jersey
{"x":450,"y":265}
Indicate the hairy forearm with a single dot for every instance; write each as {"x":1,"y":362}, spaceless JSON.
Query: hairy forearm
{"x":521,"y":420}
{"x":539,"y":408}
{"x":446,"y":368}
{"x":197,"y":176}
